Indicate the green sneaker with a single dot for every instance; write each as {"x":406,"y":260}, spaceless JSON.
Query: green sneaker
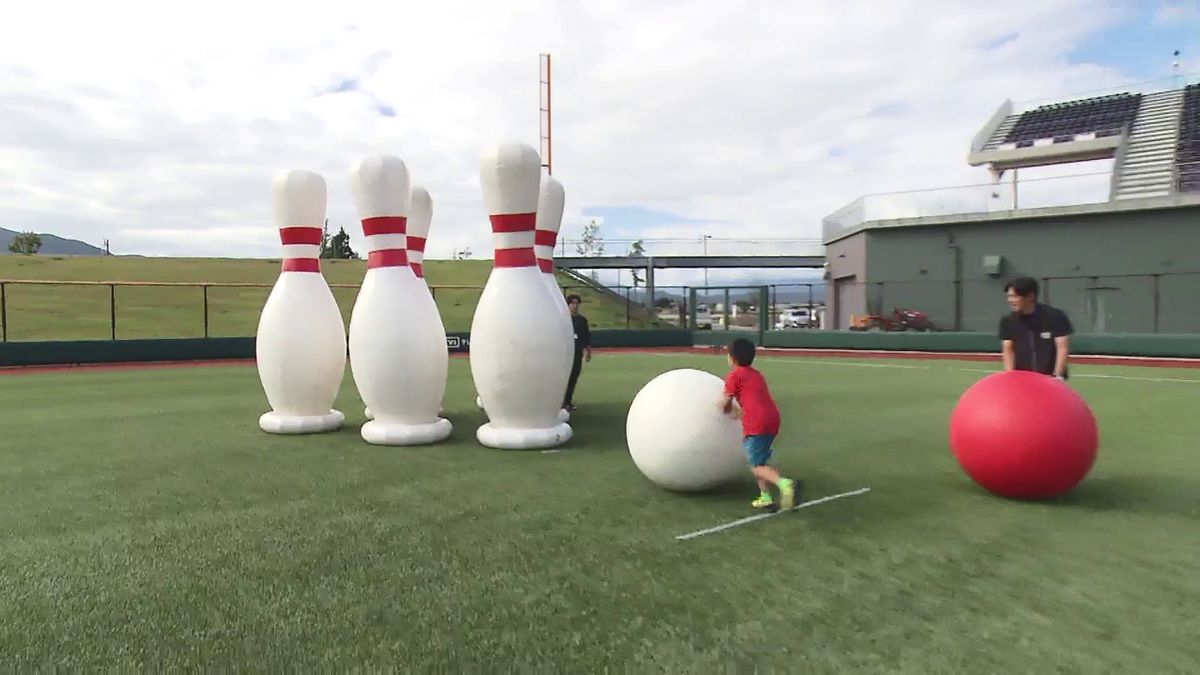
{"x":787,"y":492}
{"x":764,"y":501}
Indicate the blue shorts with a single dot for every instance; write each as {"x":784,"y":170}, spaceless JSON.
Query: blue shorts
{"x":758,"y":448}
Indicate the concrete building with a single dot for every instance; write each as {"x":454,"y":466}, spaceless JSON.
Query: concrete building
{"x":1128,"y":262}
{"x":1132,"y":267}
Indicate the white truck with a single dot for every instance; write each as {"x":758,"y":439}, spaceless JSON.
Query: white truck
{"x":794,"y":317}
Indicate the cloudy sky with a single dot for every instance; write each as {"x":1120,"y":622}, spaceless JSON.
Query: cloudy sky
{"x":160,"y":126}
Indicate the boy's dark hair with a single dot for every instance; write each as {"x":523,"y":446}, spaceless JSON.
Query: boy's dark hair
{"x":574,"y":298}
{"x":742,"y":351}
{"x":1023,"y":286}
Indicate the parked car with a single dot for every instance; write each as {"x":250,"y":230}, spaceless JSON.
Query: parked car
{"x":794,"y":317}
{"x":703,"y":317}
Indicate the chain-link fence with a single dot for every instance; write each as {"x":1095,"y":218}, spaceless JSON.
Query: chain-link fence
{"x":1142,"y":303}
{"x":86,"y":310}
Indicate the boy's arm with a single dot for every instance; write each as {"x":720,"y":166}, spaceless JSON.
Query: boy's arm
{"x":726,"y":402}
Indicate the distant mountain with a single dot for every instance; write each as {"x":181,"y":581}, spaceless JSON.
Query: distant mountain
{"x":51,"y":245}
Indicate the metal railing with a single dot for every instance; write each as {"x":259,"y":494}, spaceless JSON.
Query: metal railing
{"x":1117,"y":303}
{"x":978,"y":198}
{"x":203,"y":302}
{"x":702,"y":245}
{"x":62,"y":310}
{"x":1177,"y":175}
{"x":53,"y":315}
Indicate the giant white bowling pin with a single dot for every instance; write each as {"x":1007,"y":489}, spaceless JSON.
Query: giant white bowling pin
{"x":397,"y":349}
{"x":420,"y":216}
{"x":519,"y":360}
{"x":549,"y":219}
{"x":300,"y":345}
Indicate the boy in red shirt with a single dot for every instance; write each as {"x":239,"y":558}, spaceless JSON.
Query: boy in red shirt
{"x":760,"y":423}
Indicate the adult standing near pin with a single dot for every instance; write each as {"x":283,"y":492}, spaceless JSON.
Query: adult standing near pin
{"x":583,"y":346}
{"x":1034,"y":336}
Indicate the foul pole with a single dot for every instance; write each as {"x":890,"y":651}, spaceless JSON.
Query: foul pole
{"x":547,"y":151}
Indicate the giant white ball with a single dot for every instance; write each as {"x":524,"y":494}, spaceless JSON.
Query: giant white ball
{"x":679,"y":438}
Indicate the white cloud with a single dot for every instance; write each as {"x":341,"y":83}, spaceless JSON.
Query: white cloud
{"x":160,"y":126}
{"x":1173,"y":13}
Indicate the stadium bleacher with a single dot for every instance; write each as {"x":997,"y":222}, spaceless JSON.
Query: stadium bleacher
{"x":1101,"y":115}
{"x":1187,"y":149}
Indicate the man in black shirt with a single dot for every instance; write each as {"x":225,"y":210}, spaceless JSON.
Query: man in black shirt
{"x":583,"y":345}
{"x":1034,"y":336}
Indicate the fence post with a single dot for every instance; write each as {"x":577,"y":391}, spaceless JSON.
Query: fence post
{"x":627,"y":309}
{"x":726,"y":318}
{"x":1155,"y":280}
{"x":691,"y":308}
{"x":3,"y":313}
{"x":774,"y":300}
{"x":764,"y":317}
{"x":205,"y":287}
{"x":112,"y":309}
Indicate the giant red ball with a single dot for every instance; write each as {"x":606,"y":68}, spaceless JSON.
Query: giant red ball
{"x":1024,"y":435}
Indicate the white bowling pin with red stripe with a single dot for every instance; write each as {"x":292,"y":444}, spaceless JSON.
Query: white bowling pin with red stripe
{"x":398,"y":352}
{"x":300,"y":344}
{"x":549,"y":220}
{"x":519,"y":360}
{"x":420,"y":217}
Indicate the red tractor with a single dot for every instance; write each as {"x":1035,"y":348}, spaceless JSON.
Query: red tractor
{"x":898,"y":320}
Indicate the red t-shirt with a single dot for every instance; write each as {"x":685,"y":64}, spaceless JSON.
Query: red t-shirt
{"x":760,"y":415}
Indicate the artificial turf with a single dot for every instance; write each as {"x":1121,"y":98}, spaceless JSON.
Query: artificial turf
{"x":149,"y":523}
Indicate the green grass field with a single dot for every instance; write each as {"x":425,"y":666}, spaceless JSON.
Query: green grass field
{"x":37,"y":312}
{"x":148,"y":523}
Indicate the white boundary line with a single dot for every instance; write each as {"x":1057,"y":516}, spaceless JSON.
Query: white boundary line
{"x":751,"y":519}
{"x":906,"y":366}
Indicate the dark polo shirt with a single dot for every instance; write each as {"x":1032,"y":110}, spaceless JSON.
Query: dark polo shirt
{"x":1033,"y":337}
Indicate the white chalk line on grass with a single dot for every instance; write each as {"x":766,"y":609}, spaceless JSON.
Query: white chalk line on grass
{"x":1102,"y":376}
{"x":905,"y":366}
{"x":1134,"y":377}
{"x":761,"y":516}
{"x":818,"y":362}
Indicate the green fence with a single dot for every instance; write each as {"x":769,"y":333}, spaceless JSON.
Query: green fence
{"x":191,"y":349}
{"x":1144,"y":345}
{"x":70,"y":352}
{"x":32,"y":310}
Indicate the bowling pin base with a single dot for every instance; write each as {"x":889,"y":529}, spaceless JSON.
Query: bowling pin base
{"x":370,"y":415}
{"x":563,"y":415}
{"x":276,"y":423}
{"x":523,"y":439}
{"x":377,"y":432}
